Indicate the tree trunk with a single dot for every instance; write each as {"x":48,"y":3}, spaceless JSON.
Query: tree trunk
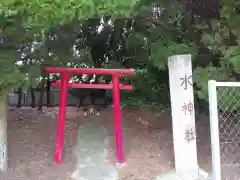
{"x":33,"y":104}
{"x":48,"y":89}
{"x":19,"y":98}
{"x":42,"y":90}
{"x":3,"y":132}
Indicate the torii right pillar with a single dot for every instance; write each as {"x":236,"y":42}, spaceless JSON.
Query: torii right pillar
{"x":183,"y":121}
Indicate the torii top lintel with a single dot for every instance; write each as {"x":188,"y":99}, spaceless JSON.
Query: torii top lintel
{"x":97,"y":71}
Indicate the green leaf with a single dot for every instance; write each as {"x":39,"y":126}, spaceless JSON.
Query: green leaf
{"x":43,"y":14}
{"x":235,"y":60}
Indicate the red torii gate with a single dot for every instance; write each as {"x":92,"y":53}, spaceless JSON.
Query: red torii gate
{"x":64,"y":85}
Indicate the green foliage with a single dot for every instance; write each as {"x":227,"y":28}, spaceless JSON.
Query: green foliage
{"x":10,"y":77}
{"x":228,"y":97}
{"x":43,"y":14}
{"x":230,"y":13}
{"x":143,"y":41}
{"x":140,"y":102}
{"x":221,"y":36}
{"x":161,"y":52}
{"x":150,"y":90}
{"x":202,"y":75}
{"x":23,"y":22}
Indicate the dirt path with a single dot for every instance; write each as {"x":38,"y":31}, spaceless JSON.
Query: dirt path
{"x":147,"y":142}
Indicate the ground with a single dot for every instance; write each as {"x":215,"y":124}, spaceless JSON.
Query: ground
{"x":147,"y":137}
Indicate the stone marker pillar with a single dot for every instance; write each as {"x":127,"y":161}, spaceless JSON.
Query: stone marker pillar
{"x":183,"y":119}
{"x":183,"y":115}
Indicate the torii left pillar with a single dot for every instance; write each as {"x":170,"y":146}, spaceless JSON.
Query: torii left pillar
{"x":61,"y":120}
{"x":117,"y":119}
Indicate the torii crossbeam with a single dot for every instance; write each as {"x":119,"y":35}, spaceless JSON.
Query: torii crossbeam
{"x":66,"y":73}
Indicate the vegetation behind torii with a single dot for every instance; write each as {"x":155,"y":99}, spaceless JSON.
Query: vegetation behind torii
{"x":122,"y":34}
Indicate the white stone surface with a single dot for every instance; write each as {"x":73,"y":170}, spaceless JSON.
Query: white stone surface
{"x":202,"y":175}
{"x":183,"y":114}
{"x":92,"y":154}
